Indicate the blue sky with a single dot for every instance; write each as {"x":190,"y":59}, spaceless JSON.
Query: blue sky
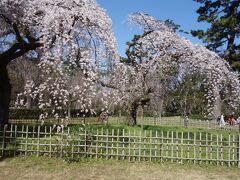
{"x":182,"y":12}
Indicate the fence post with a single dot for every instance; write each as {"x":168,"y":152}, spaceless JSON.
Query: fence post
{"x":123,"y":145}
{"x":238,"y":150}
{"x":112,"y":145}
{"x":107,"y":144}
{"x":221,"y":150}
{"x":97,"y":145}
{"x":129,"y":145}
{"x":217,"y":151}
{"x":194,"y":148}
{"x":140,"y":146}
{"x":182,"y":147}
{"x":150,"y":147}
{"x":86,"y":142}
{"x":15,"y":140}
{"x":62,"y":143}
{"x":167,"y":156}
{"x":188,"y":148}
{"x":50,"y":148}
{"x":229,"y":150}
{"x":142,"y":118}
{"x":118,"y":144}
{"x":38,"y":140}
{"x":3,"y":139}
{"x":26,"y":141}
{"x":134,"y":145}
{"x":172,"y":148}
{"x":177,"y":148}
{"x":206,"y":149}
{"x":161,"y":146}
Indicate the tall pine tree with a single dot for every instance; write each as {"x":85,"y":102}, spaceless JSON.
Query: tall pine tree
{"x":223,"y":34}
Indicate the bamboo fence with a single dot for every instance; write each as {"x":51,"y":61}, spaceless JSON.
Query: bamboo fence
{"x":179,"y":122}
{"x":180,"y":147}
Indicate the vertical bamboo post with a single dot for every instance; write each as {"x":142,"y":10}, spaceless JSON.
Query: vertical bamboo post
{"x":233,"y":149}
{"x":188,"y":148}
{"x":85,"y":142}
{"x":79,"y":142}
{"x":90,"y":147}
{"x":61,"y":143}
{"x":167,"y":148}
{"x":140,"y":146}
{"x":34,"y":135}
{"x":102,"y":138}
{"x":10,"y":139}
{"x":72,"y":148}
{"x":129,"y":145}
{"x":150,"y":146}
{"x":112,"y":144}
{"x":123,"y":145}
{"x":206,"y":148}
{"x":172,"y":156}
{"x":96,"y":151}
{"x":182,"y":147}
{"x":155,"y":147}
{"x":142,"y":118}
{"x":22,"y":132}
{"x":118,"y":144}
{"x":26,"y":141}
{"x":194,"y":148}
{"x":217,"y":151}
{"x":200,"y":148}
{"x":221,"y":150}
{"x":134,"y":146}
{"x":15,"y":140}
{"x":45,"y":138}
{"x":38,"y":140}
{"x":177,"y":149}
{"x":211,"y":147}
{"x":229,"y":150}
{"x":3,"y":139}
{"x":145,"y":141}
{"x":50,"y":147}
{"x":239,"y":150}
{"x":107,"y":144}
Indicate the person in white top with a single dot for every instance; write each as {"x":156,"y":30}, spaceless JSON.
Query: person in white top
{"x":238,"y":120}
{"x":222,"y":122}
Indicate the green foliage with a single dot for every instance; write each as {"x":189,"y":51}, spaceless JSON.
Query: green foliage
{"x":175,"y":27}
{"x":223,"y":34}
{"x":197,"y":117}
{"x":25,"y":113}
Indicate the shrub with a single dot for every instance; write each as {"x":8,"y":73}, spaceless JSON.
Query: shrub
{"x":34,"y":113}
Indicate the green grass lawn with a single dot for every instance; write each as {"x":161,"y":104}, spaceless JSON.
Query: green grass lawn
{"x":53,"y":168}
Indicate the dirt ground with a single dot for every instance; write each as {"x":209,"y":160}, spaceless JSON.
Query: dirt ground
{"x":35,"y":168}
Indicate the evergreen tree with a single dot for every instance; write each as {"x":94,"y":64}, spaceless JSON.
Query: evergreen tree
{"x":223,"y":34}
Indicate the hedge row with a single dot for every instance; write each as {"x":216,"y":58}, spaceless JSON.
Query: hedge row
{"x":35,"y":113}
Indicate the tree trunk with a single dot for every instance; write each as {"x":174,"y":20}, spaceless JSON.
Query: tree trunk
{"x":29,"y":102}
{"x":69,"y":105}
{"x":5,"y":94}
{"x":133,"y":115}
{"x":217,"y":107}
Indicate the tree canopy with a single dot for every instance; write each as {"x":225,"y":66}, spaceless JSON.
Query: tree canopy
{"x":64,"y":36}
{"x":223,"y":34}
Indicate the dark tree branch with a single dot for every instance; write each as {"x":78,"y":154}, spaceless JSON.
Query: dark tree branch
{"x":17,"y":33}
{"x":17,"y":50}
